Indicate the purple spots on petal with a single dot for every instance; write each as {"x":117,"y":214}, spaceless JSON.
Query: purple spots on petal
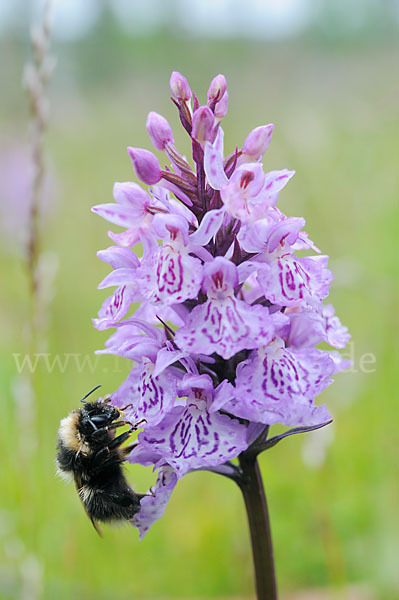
{"x":290,"y":281}
{"x":280,"y":385}
{"x":172,"y":276}
{"x":287,"y":282}
{"x":225,"y":326}
{"x":196,"y":437}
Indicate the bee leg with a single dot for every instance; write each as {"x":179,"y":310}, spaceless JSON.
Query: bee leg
{"x":104,"y":454}
{"x":136,"y":425}
{"x":127,"y":450}
{"x":99,"y":456}
{"x":118,"y":440}
{"x":118,"y":424}
{"x":99,"y":432}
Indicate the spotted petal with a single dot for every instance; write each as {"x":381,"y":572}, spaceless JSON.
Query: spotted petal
{"x":115,"y":307}
{"x":288,"y":280}
{"x":193,"y":438}
{"x":151,"y":397}
{"x":225,"y":326}
{"x":278,"y":385}
{"x":276,"y":180}
{"x":173,"y":276}
{"x":153,"y":506}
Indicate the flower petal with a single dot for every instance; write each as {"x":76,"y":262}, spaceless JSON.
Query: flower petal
{"x":189,"y":438}
{"x":336,"y":334}
{"x":276,"y":180}
{"x":133,"y":346}
{"x":225,"y":327}
{"x":288,"y":280}
{"x":253,"y":236}
{"x":284,"y":233}
{"x":165,"y":358}
{"x":256,"y":143}
{"x":151,"y":397}
{"x":117,"y":214}
{"x":130,"y":194}
{"x":127,"y":238}
{"x":119,"y":257}
{"x":208,"y":228}
{"x":115,"y":307}
{"x":278,"y":385}
{"x":153,"y":506}
{"x":213,"y":165}
{"x":223,"y":394}
{"x":340,"y":363}
{"x":306,"y":328}
{"x":119,"y":277}
{"x":171,"y":277}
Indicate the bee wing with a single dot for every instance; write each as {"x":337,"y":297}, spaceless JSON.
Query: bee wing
{"x":78,"y":484}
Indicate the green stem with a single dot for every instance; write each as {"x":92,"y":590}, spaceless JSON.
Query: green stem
{"x":252,"y":489}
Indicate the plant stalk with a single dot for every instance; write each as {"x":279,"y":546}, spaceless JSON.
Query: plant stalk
{"x":251,"y":485}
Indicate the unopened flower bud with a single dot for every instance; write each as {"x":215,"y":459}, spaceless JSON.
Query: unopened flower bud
{"x":203,"y":122}
{"x":159,"y":130}
{"x":146,"y":165}
{"x":257,"y":141}
{"x":217,"y":89}
{"x":221,"y":106}
{"x":179,"y":87}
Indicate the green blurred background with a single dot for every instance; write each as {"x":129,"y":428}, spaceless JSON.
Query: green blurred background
{"x":327,"y":75}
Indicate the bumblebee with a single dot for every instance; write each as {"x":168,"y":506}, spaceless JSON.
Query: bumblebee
{"x":91,"y":454}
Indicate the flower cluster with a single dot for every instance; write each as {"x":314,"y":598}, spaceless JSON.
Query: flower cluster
{"x":223,"y":341}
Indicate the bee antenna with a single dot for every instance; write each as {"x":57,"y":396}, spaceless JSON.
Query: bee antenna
{"x":91,"y":391}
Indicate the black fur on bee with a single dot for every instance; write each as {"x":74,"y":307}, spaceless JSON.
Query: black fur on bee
{"x":90,"y":452}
